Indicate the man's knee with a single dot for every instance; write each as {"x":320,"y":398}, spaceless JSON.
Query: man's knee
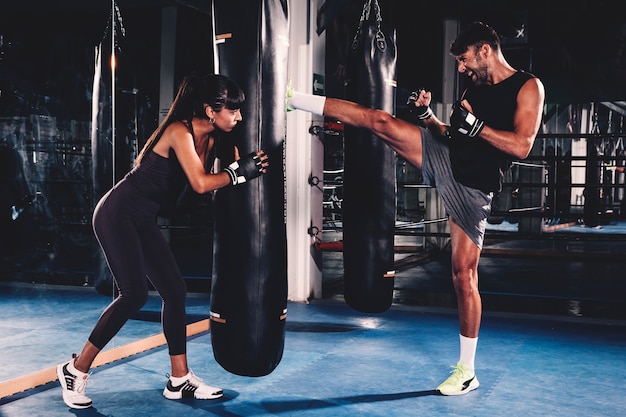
{"x":465,"y":282}
{"x":381,"y":121}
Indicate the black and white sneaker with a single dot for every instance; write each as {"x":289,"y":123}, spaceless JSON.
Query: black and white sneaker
{"x":74,"y":383}
{"x":190,"y":387}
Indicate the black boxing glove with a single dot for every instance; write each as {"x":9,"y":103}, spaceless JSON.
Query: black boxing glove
{"x":244,"y":169}
{"x":422,"y":112}
{"x":464,"y":121}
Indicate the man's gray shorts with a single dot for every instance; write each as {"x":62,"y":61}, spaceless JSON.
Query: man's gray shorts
{"x":469,"y":207}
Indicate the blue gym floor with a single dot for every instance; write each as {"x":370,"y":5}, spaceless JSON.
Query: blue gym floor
{"x":337,"y":362}
{"x":552,"y":343}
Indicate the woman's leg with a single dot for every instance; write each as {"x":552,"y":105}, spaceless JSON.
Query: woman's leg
{"x":117,"y":235}
{"x":164,"y":274}
{"x":119,"y":239}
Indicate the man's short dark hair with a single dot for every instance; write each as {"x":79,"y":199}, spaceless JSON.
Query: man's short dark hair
{"x":475,"y":34}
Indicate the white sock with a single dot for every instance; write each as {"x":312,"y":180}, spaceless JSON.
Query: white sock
{"x":74,"y":371}
{"x":179,"y":380}
{"x":306,"y":102}
{"x":468,"y":350}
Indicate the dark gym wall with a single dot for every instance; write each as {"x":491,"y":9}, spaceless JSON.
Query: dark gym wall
{"x":46,"y":83}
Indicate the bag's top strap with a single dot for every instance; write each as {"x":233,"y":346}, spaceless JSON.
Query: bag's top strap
{"x":367,"y":9}
{"x":365,"y":16}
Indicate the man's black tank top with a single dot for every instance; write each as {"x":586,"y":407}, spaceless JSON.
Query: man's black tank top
{"x":475,"y":163}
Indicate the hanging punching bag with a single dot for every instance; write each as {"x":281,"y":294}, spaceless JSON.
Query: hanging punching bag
{"x":369,"y":205}
{"x":249,"y":283}
{"x":101,"y":161}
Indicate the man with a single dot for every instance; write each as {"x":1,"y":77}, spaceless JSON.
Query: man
{"x":495,"y":122}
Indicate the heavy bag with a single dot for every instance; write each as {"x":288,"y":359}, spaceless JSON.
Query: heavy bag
{"x":369,"y":205}
{"x":249,"y":282}
{"x":101,"y":162}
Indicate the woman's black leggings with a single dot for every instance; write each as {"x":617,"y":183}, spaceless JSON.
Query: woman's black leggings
{"x":125,"y":225}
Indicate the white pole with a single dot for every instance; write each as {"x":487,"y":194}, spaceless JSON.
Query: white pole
{"x":304,"y":156}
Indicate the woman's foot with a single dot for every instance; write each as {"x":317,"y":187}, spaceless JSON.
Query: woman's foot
{"x":190,"y":386}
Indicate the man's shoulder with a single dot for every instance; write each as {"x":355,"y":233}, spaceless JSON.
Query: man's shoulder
{"x":518,"y":79}
{"x":524,"y":75}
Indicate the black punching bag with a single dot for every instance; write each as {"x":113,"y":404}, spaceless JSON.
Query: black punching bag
{"x":101,"y":160}
{"x":369,"y":205}
{"x":249,"y":283}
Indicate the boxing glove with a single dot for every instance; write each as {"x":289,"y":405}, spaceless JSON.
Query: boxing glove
{"x":464,"y":121}
{"x":244,"y":169}
{"x":422,"y":112}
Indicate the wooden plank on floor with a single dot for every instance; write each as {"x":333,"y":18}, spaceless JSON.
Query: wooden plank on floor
{"x":553,"y":228}
{"x":35,"y":379}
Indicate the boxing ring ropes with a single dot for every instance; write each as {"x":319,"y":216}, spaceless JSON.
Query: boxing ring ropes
{"x":605,"y":153}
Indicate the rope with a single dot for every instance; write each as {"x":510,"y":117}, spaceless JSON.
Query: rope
{"x":527,"y":164}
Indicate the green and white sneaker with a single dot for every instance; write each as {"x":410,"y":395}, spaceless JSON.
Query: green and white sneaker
{"x":462,"y":381}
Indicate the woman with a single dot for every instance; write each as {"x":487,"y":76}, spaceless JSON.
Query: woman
{"x":124,"y":221}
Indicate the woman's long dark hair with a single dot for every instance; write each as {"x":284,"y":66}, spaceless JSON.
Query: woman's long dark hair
{"x":194,"y":93}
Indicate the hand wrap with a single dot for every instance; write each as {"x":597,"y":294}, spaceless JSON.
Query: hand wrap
{"x":464,"y":121}
{"x":422,"y":112}
{"x":244,"y":169}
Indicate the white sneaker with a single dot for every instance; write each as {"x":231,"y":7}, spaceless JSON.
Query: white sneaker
{"x":74,"y":384}
{"x":191,"y":387}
